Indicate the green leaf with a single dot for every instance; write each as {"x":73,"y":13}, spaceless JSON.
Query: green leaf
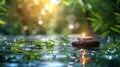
{"x":97,"y":21}
{"x":118,"y":26}
{"x":93,"y":19}
{"x":117,"y":14}
{"x":105,"y":34}
{"x":65,"y":3}
{"x":118,"y":17}
{"x":97,"y":27}
{"x":37,"y":43}
{"x":2,"y":22}
{"x":2,"y":2}
{"x":65,"y":39}
{"x":2,"y":13}
{"x":118,"y":1}
{"x":97,"y":16}
{"x":115,"y":29}
{"x":3,"y":8}
{"x":112,"y":45}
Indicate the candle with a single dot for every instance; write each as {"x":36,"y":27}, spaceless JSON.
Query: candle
{"x":86,"y":42}
{"x":83,"y":37}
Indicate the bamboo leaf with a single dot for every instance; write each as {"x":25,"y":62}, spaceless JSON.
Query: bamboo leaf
{"x":118,"y":17}
{"x":98,"y":16}
{"x":65,"y":3}
{"x":115,"y":29}
{"x":2,"y":2}
{"x":105,"y":34}
{"x":93,"y":19}
{"x":118,"y":26}
{"x":2,"y":22}
{"x":97,"y":27}
{"x":117,"y":14}
{"x":112,"y":44}
{"x":3,"y":8}
{"x":118,"y":1}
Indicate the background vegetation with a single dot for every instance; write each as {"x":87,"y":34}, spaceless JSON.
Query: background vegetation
{"x":59,"y":17}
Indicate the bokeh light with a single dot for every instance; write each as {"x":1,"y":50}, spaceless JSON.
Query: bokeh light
{"x":55,"y":1}
{"x":25,"y":27}
{"x":40,"y":22}
{"x":71,"y":26}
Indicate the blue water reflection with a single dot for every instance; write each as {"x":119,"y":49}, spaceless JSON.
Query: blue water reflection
{"x":63,"y":55}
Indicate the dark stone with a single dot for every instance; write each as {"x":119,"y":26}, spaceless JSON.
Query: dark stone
{"x":86,"y":44}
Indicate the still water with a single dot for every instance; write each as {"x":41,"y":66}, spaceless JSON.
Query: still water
{"x":62,"y":55}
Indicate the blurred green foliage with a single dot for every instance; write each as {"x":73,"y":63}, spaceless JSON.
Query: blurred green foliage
{"x":105,"y":20}
{"x":67,"y":16}
{"x":2,"y":10}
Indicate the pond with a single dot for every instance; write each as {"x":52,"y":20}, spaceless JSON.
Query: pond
{"x":55,"y":51}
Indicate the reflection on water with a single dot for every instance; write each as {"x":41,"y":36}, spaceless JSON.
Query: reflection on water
{"x":83,"y":59}
{"x":64,"y":55}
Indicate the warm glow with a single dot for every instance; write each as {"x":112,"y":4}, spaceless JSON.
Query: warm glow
{"x":55,"y":1}
{"x":38,"y":12}
{"x":40,"y":22}
{"x":83,"y":35}
{"x":36,"y":2}
{"x":84,"y":61}
{"x":46,"y":7}
{"x":50,"y":11}
{"x":43,"y":12}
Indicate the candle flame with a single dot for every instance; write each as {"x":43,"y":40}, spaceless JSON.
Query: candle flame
{"x":83,"y":35}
